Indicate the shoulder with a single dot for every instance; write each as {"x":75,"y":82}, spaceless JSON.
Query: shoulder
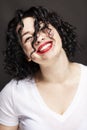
{"x":84,"y":66}
{"x":16,"y":91}
{"x":84,"y":70}
{"x":8,"y":87}
{"x":83,"y":78}
{"x":16,"y":86}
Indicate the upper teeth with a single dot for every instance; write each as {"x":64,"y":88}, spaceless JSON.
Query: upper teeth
{"x":45,"y":46}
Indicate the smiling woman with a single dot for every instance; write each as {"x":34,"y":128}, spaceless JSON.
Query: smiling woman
{"x":44,"y":45}
{"x":47,"y":88}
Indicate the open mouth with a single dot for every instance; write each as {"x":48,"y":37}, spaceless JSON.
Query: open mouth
{"x":44,"y":47}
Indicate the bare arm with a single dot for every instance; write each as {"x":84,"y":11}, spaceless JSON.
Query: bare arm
{"x":3,"y":127}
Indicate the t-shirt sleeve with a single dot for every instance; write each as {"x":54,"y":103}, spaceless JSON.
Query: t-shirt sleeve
{"x":8,"y":115}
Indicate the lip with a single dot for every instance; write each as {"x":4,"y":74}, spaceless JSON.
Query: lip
{"x":49,"y":43}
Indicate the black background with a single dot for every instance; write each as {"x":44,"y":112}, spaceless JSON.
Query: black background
{"x":73,"y":11}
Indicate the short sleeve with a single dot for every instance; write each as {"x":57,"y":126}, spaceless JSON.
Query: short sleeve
{"x":8,"y":115}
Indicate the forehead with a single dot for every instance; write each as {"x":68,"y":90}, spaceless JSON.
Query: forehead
{"x":28,"y":24}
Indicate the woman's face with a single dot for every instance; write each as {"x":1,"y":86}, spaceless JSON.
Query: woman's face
{"x":48,"y":44}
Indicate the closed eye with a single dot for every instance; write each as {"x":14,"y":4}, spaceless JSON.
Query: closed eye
{"x":42,"y":28}
{"x":46,"y":30}
{"x":28,"y":39}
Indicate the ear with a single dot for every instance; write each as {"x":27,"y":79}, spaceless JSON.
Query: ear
{"x":29,"y":59}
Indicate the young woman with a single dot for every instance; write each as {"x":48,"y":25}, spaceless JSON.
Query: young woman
{"x":48,"y":91}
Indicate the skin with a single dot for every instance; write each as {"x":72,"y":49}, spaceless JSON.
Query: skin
{"x":58,"y":79}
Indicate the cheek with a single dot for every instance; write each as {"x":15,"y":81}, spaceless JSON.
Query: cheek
{"x":27,"y":49}
{"x":58,"y":38}
{"x":35,"y":57}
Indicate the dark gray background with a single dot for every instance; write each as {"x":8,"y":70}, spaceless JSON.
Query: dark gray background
{"x":73,"y":11}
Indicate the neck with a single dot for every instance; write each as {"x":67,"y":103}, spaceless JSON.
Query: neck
{"x":57,"y":70}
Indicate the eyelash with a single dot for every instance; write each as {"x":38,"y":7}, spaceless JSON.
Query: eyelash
{"x":28,"y":38}
{"x":48,"y":30}
{"x":42,"y":28}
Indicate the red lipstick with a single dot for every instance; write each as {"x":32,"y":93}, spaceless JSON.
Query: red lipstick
{"x":43,"y":48}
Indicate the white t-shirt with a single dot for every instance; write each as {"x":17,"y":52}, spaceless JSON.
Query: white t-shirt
{"x":21,"y":103}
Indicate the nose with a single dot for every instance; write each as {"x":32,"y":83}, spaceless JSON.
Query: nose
{"x":40,"y":37}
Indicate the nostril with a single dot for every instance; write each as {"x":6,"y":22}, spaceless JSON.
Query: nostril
{"x":37,"y":42}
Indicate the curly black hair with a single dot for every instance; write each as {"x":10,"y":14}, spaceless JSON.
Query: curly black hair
{"x":16,"y":63}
